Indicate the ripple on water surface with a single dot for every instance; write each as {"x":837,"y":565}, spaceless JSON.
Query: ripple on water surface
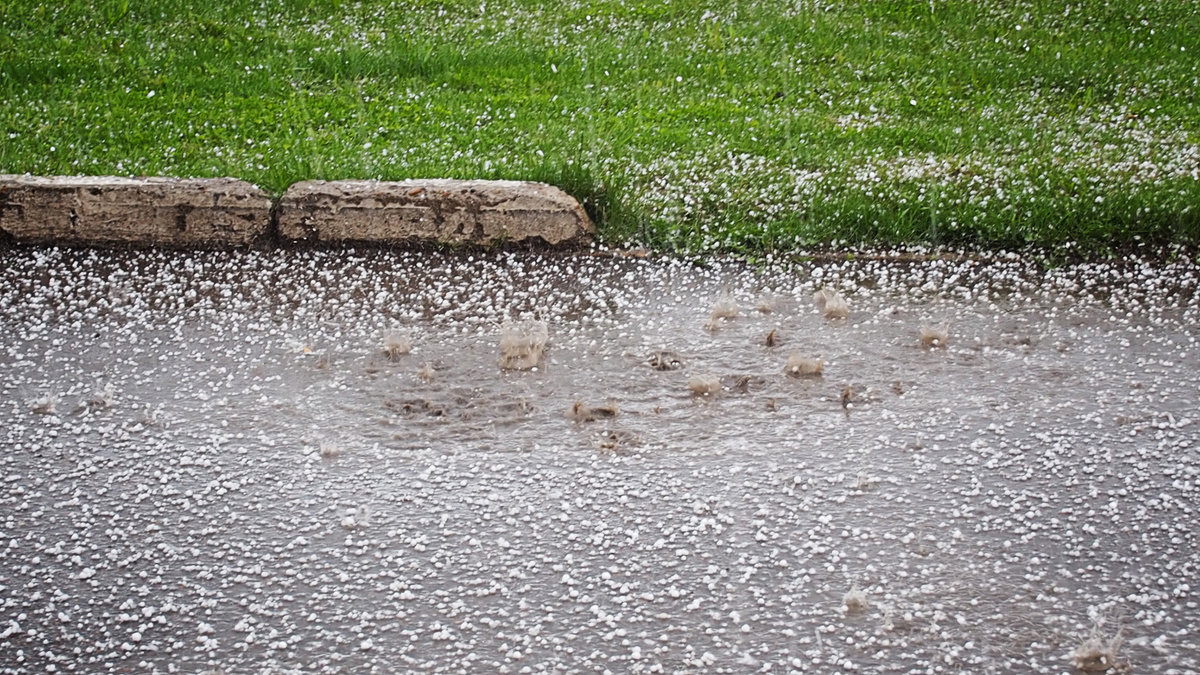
{"x":315,"y":460}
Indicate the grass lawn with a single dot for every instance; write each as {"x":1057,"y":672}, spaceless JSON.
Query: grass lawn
{"x":688,"y":125}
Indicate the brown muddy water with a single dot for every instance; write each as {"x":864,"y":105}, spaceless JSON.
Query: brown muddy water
{"x":312,"y":461}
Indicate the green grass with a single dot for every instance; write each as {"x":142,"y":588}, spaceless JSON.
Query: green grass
{"x":692,"y":125}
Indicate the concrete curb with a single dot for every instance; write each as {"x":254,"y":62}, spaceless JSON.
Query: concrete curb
{"x":477,"y":212}
{"x":229,"y":213}
{"x":113,"y":211}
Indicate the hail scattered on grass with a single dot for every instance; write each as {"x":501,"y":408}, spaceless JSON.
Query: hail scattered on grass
{"x":689,"y":126}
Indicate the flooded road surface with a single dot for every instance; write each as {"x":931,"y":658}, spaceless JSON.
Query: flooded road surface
{"x":313,"y":461}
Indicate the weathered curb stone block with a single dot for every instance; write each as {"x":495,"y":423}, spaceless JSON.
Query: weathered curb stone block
{"x":446,"y":211}
{"x":109,"y":210}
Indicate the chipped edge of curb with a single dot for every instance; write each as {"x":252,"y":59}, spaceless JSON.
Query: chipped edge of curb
{"x":480,"y":213}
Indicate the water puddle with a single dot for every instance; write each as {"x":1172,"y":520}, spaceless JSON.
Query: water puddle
{"x":326,"y":462}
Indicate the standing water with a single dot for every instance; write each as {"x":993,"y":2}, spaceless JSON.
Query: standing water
{"x":376,"y":461}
